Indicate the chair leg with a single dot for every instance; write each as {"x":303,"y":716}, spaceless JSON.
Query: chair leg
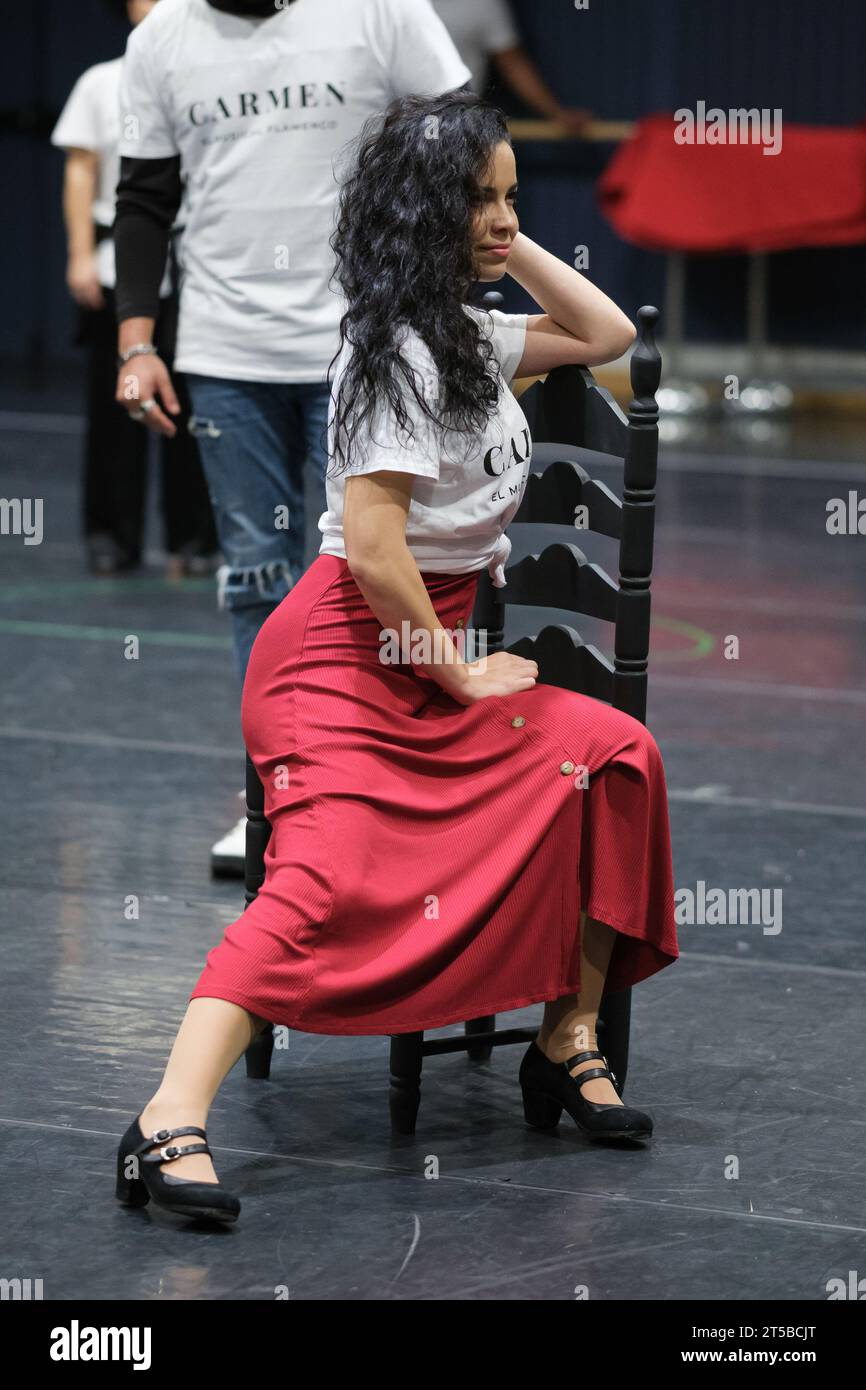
{"x":258,"y":1054}
{"x":258,"y":834}
{"x":481,"y":1052}
{"x":404,"y":1096}
{"x":614,"y":1024}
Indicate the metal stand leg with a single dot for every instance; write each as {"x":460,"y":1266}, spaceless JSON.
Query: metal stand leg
{"x":760,"y":394}
{"x":678,"y":396}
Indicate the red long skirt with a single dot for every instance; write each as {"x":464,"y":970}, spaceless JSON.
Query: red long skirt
{"x":429,"y":861}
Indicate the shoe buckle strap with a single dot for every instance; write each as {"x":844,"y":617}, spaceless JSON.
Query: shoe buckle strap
{"x":601,"y":1072}
{"x":162,"y":1136}
{"x":171,"y":1151}
{"x":587,"y":1056}
{"x":607,"y":1073}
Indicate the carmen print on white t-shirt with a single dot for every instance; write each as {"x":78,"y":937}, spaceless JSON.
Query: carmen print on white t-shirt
{"x":493,"y":462}
{"x":296,"y":96}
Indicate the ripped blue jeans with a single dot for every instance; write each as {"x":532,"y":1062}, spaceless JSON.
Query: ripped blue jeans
{"x":254,"y":439}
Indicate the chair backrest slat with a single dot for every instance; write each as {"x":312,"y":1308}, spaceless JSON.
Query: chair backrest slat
{"x":562,"y":577}
{"x":571,"y":407}
{"x":577,"y":410}
{"x":559,"y":486}
{"x":568,"y":661}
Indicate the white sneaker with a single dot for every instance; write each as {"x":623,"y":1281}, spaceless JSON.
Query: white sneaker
{"x":228,"y":854}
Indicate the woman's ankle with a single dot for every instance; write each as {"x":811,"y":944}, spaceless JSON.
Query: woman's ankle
{"x":164,"y":1110}
{"x":558,"y":1045}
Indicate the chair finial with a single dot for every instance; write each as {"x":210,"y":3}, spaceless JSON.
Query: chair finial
{"x":646,"y":362}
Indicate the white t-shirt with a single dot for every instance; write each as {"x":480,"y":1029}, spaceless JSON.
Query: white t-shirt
{"x":478,"y":28}
{"x":469,"y":486}
{"x":90,"y":120}
{"x":260,"y":111}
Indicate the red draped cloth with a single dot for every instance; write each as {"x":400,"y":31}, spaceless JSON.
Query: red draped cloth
{"x":666,"y":196}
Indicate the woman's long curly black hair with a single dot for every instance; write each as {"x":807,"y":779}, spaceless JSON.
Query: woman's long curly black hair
{"x":403,"y":245}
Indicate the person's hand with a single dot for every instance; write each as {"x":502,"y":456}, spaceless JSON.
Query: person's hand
{"x":502,"y":673}
{"x":82,"y":280}
{"x":573,"y":121}
{"x":145,"y":378}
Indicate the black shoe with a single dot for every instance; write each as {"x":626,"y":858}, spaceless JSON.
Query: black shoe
{"x":549,"y":1088}
{"x":201,"y":1199}
{"x":199,"y":563}
{"x":106,"y":556}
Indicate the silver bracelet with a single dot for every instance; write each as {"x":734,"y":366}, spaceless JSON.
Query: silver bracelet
{"x":136,"y":351}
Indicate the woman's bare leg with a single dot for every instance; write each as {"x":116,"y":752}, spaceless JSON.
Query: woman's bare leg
{"x":569,"y":1023}
{"x":211,"y":1038}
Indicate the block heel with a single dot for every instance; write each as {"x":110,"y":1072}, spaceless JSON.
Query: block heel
{"x":540,"y":1111}
{"x":131,"y":1192}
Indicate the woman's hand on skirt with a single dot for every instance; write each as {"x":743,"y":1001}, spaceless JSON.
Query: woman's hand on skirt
{"x":503,"y":673}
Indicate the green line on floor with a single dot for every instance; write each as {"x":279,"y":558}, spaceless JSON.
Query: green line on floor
{"x":104,"y":587}
{"x":113,"y":634}
{"x":704,"y":641}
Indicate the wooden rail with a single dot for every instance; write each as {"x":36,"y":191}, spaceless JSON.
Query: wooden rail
{"x":549,"y":130}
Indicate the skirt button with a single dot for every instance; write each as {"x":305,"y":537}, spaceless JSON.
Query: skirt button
{"x":566,"y":768}
{"x":518,"y":721}
{"x":459,"y":622}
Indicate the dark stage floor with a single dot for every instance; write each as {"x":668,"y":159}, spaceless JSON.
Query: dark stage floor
{"x":750,"y":1051}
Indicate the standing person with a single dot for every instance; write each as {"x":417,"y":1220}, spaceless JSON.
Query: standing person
{"x":432,"y":857}
{"x":250,"y":102}
{"x":485,"y":33}
{"x":115,"y":454}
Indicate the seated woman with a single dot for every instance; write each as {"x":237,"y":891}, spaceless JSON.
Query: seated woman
{"x":450,"y":837}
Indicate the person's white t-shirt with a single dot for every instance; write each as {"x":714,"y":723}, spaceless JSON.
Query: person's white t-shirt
{"x":260,"y":112}
{"x":468,"y":487}
{"x":90,"y":120}
{"x":478,"y":28}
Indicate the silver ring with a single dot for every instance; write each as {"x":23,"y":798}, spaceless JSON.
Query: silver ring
{"x":138,"y":415}
{"x":147,"y":405}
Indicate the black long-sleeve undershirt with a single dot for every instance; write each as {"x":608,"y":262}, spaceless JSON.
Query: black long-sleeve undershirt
{"x":148,"y":197}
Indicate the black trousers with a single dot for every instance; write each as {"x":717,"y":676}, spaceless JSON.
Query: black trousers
{"x":114,"y":490}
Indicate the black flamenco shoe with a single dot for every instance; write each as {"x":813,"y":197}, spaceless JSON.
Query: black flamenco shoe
{"x":549,"y":1088}
{"x":197,"y":1199}
{"x":105,"y":556}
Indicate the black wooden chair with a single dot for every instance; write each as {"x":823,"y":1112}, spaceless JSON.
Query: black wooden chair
{"x":572,"y":420}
